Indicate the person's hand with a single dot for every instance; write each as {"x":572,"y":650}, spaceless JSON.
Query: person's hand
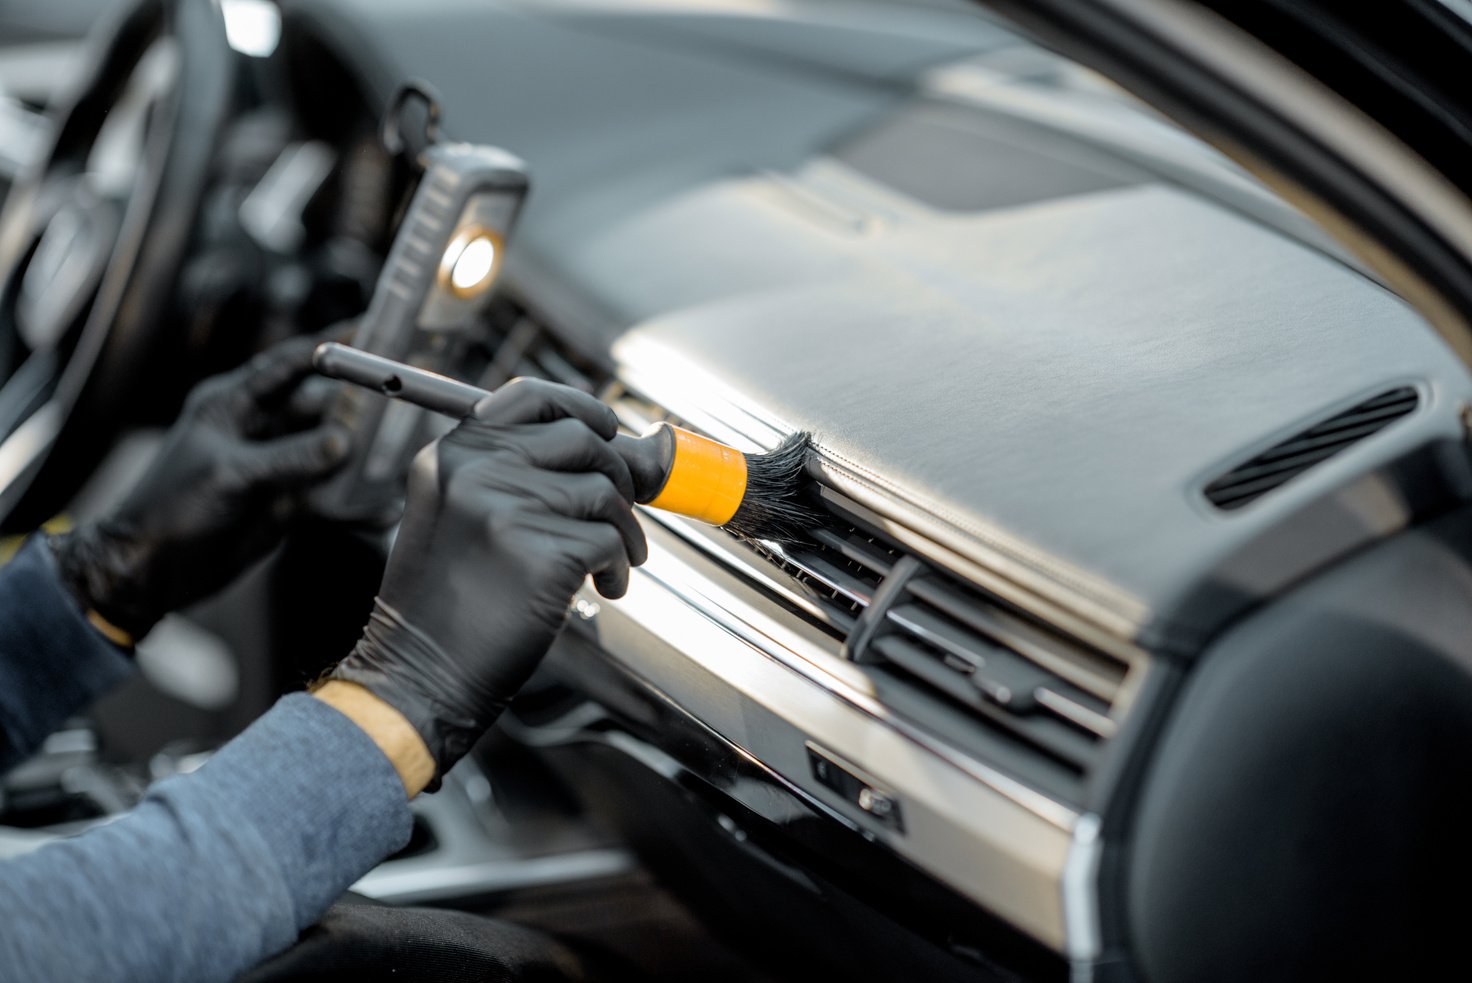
{"x":506,"y":516}
{"x":229,"y":479}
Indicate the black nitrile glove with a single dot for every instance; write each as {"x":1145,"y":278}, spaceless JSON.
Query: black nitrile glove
{"x":222,"y":491}
{"x":506,"y":515}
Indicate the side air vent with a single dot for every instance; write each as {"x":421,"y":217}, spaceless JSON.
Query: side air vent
{"x":1284,"y":461}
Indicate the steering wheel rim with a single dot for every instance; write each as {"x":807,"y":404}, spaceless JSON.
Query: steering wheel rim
{"x":61,"y":407}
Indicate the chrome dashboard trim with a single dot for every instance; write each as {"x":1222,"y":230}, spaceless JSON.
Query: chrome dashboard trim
{"x":808,"y":664}
{"x":990,"y":837}
{"x":1093,"y":613}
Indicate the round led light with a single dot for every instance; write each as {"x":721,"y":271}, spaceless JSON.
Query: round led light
{"x":471,"y":263}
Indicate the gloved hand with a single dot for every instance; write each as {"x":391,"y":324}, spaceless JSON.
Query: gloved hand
{"x":506,"y":515}
{"x":218,"y":497}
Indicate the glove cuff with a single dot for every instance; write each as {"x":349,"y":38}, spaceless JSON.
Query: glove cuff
{"x":406,"y":669}
{"x":93,"y":562}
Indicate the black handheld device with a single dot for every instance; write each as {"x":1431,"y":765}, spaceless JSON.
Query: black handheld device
{"x":440,"y":273}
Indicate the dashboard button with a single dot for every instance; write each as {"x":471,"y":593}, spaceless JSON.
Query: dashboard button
{"x":854,"y":788}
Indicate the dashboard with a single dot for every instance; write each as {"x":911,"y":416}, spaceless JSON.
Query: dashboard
{"x":1130,"y":479}
{"x":1086,"y":400}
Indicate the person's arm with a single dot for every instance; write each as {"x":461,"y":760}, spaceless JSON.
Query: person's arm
{"x":218,"y":870}
{"x":213,"y":871}
{"x":53,"y":661}
{"x":219,"y":495}
{"x":386,"y":728}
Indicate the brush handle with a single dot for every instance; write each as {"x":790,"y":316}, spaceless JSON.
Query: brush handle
{"x":650,"y":458}
{"x":384,"y":375}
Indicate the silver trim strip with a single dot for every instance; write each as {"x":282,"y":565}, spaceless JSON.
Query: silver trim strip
{"x":697,"y":592}
{"x":993,"y":839}
{"x":1090,"y":720}
{"x":423,"y":885}
{"x":1081,"y":893}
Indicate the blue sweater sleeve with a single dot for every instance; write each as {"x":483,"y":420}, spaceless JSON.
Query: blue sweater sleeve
{"x":213,"y":871}
{"x":52,"y":662}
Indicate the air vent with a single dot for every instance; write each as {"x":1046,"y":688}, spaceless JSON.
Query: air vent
{"x":1021,"y":681}
{"x":839,"y":571}
{"x":956,"y":659}
{"x":940,"y":652}
{"x":1284,"y":461}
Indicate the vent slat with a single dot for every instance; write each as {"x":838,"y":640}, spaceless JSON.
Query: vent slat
{"x":844,"y":583}
{"x":1016,"y":676}
{"x":839,"y":587}
{"x":1289,"y":458}
{"x":1094,"y":674}
{"x":1076,"y":711}
{"x":860,"y":549}
{"x":999,"y":673}
{"x":1349,"y":421}
{"x":1300,"y":451}
{"x":1245,"y":493}
{"x":1046,"y":732}
{"x":1298,"y":460}
{"x":1401,"y":395}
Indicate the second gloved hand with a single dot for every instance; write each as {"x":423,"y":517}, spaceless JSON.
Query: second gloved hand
{"x":506,"y":516}
{"x":219,"y":495}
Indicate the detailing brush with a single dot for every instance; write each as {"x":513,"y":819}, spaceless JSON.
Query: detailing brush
{"x":754,"y":496}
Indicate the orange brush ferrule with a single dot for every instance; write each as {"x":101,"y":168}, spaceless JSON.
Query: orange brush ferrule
{"x":707,"y":480}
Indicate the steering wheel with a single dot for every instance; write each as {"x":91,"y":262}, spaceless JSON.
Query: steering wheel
{"x":92,"y":240}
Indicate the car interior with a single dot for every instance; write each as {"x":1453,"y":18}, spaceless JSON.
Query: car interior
{"x":1131,"y":636}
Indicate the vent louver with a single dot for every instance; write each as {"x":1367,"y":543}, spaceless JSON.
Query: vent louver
{"x":1023,"y":682}
{"x":1287,"y":459}
{"x":840,"y":570}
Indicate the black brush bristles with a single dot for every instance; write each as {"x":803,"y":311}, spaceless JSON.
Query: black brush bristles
{"x":775,"y":506}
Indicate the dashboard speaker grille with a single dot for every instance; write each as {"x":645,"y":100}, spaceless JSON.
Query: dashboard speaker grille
{"x":1287,"y":459}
